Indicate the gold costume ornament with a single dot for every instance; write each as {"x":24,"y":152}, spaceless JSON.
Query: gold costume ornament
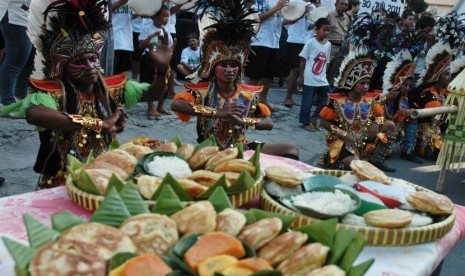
{"x":89,"y":123}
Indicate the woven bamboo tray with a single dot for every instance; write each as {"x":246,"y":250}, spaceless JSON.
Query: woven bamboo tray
{"x":373,"y":235}
{"x":92,"y":202}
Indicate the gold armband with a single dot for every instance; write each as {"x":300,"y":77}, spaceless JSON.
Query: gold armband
{"x":88,"y":123}
{"x":251,"y":122}
{"x":337,"y":131}
{"x":204,"y":111}
{"x":379,"y":121}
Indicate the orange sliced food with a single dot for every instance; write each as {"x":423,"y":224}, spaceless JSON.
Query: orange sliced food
{"x":212,"y":244}
{"x":255,"y":264}
{"x":147,"y":264}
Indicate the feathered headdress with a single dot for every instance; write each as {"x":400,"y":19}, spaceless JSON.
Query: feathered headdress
{"x":63,"y":29}
{"x":400,"y":68}
{"x":439,"y":57}
{"x":356,"y":66}
{"x":374,"y":32}
{"x":225,"y":34}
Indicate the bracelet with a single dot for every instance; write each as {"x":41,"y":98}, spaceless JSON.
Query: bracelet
{"x":204,"y":111}
{"x":88,"y":123}
{"x":379,"y":121}
{"x":251,"y":122}
{"x":339,"y":132}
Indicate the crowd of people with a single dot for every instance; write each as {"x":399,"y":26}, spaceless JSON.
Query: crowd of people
{"x":361,"y":74}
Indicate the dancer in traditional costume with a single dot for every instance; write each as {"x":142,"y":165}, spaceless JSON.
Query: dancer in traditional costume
{"x":76,"y":110}
{"x":354,"y":118}
{"x":224,"y":106}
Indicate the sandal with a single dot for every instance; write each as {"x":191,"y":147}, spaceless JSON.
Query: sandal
{"x":308,"y":127}
{"x":315,"y":126}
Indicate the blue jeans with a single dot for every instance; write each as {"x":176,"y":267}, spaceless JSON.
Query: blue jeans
{"x":307,"y":101}
{"x":19,"y":61}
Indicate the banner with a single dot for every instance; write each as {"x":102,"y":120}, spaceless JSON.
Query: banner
{"x":388,"y":5}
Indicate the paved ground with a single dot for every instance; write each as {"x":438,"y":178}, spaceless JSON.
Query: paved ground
{"x":19,"y":144}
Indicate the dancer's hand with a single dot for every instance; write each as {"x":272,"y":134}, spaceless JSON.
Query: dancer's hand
{"x":230,"y":110}
{"x":115,"y":123}
{"x":161,"y":56}
{"x":373,"y":131}
{"x":349,"y":142}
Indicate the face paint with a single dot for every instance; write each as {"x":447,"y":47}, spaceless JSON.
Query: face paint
{"x":226,"y":69}
{"x":85,"y":66}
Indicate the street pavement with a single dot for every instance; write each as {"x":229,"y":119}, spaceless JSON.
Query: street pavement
{"x":19,"y":144}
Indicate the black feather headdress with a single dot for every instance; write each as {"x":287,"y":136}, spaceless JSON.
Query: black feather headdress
{"x":63,"y":29}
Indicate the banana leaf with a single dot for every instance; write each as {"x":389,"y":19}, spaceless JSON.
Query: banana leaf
{"x":240,"y":147}
{"x":19,"y":271}
{"x":168,"y":202}
{"x":342,"y":241}
{"x":119,"y":259}
{"x":133,"y":200}
{"x":220,"y":200}
{"x":90,"y":157}
{"x":222,"y":182}
{"x":114,"y":182}
{"x":177,"y":141}
{"x":209,"y":142}
{"x":38,"y":233}
{"x":115,"y":144}
{"x":112,"y":211}
{"x":254,"y":215}
{"x":243,"y":183}
{"x":361,"y":269}
{"x":352,"y":253}
{"x":322,"y":232}
{"x":255,"y":159}
{"x":22,"y":254}
{"x":73,"y":164}
{"x":177,"y":188}
{"x":85,"y":183}
{"x":65,"y":220}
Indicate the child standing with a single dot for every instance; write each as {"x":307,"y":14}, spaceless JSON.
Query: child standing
{"x":314,"y":59}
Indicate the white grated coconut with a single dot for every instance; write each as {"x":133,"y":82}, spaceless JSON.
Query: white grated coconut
{"x":161,"y":165}
{"x":329,"y":203}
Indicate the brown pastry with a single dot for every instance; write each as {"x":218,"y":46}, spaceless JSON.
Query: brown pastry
{"x":125,"y":161}
{"x":100,"y":177}
{"x":388,"y":218}
{"x":151,"y":233}
{"x":306,"y":259}
{"x":100,"y":164}
{"x":186,"y":151}
{"x":282,"y":247}
{"x":230,"y":221}
{"x":193,"y":188}
{"x":147,"y":185}
{"x":222,"y":156}
{"x":136,"y":150}
{"x":261,"y":232}
{"x":200,"y":157}
{"x":431,"y":202}
{"x":167,"y":147}
{"x":284,"y":176}
{"x":367,"y":171}
{"x":68,"y":258}
{"x":328,"y":270}
{"x":126,"y":154}
{"x":106,"y":236}
{"x":206,"y":178}
{"x":236,"y":165}
{"x":199,"y":218}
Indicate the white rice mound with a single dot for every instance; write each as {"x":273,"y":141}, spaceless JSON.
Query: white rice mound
{"x":353,"y":219}
{"x":161,"y":165}
{"x":329,"y":203}
{"x":349,"y":179}
{"x":275,"y":189}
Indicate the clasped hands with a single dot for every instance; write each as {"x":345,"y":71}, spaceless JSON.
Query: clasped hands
{"x":232,"y":112}
{"x":116,"y":122}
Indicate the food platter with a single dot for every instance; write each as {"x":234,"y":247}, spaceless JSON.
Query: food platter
{"x":92,"y":202}
{"x":193,"y":173}
{"x":373,"y":235}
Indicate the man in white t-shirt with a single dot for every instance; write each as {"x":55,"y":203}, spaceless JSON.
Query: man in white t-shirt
{"x":121,"y":19}
{"x":314,"y":59}
{"x":265,"y":45}
{"x":149,"y":40}
{"x":190,"y":57}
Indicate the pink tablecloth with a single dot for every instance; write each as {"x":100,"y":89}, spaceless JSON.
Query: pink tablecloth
{"x":419,"y":259}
